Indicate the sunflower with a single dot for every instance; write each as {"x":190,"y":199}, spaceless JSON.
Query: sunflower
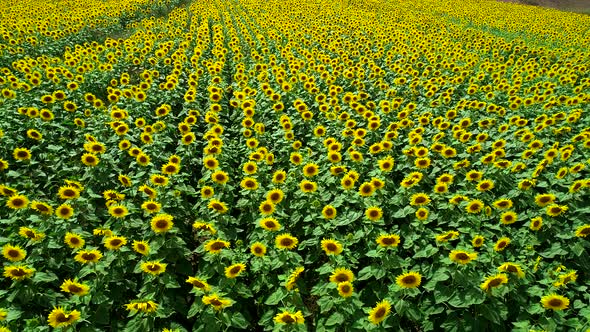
{"x":218,"y":303}
{"x":366,"y":189}
{"x":341,"y":275}
{"x":170,"y":168}
{"x":124,"y":180}
{"x":279,"y":177}
{"x":536,"y":223}
{"x":374,"y":213}
{"x":215,"y":246}
{"x":31,"y":234}
{"x":422,"y":214}
{"x":218,"y":206}
{"x":419,"y":199}
{"x":153,"y":267}
{"x":207,"y":192}
{"x":275,"y":196}
{"x":21,"y":154}
{"x":501,"y":244}
{"x":473,"y":175}
{"x":219,"y":177}
{"x":18,"y":272}
{"x":331,"y":247}
{"x":286,"y":241}
{"x":288,"y":318}
{"x":149,"y":191}
{"x":74,"y":287}
{"x":64,"y":211}
{"x":409,"y":280}
{"x":512,"y":268}
{"x":16,"y":202}
{"x":462,"y":257}
{"x":447,"y":236}
{"x":118,"y":211}
{"x":307,"y":186}
{"x":543,"y":200}
{"x":388,"y":240}
{"x":555,"y":302}
{"x":386,"y":164}
{"x":3,"y":165}
{"x":555,"y":210}
{"x":477,"y":241}
{"x":159,"y":180}
{"x":141,"y":247}
{"x":485,"y":185}
{"x":68,"y":192}
{"x":199,"y":283}
{"x":508,"y":217}
{"x":293,"y":277}
{"x":311,"y":170}
{"x":345,"y":289}
{"x":73,"y":240}
{"x":115,"y":242}
{"x":380,"y":312}
{"x":142,"y":306}
{"x":494,"y":282}
{"x":234,"y":270}
{"x":583,"y":231}
{"x":162,"y":223}
{"x":258,"y":249}
{"x":13,"y":253}
{"x":88,"y":256}
{"x":502,"y":204}
{"x":250,"y":168}
{"x":270,"y":224}
{"x":150,"y":206}
{"x":58,"y":317}
{"x":89,"y":159}
{"x":474,"y":206}
{"x":329,"y":212}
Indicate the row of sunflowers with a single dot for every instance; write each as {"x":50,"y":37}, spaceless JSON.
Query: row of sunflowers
{"x":296,"y":165}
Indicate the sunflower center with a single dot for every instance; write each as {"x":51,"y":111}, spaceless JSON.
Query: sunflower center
{"x":380,"y":312}
{"x":374,"y":213}
{"x":18,"y":272}
{"x":235,"y":270}
{"x":116,"y":242}
{"x":409,"y":280}
{"x":462,"y":256}
{"x":88,"y":256}
{"x":495,"y":282}
{"x":388,"y":241}
{"x":585,"y":231}
{"x":288,"y":319}
{"x":153,"y":267}
{"x":555,"y":303}
{"x":216,"y":302}
{"x":161,"y":224}
{"x":331,"y":247}
{"x":286,"y":242}
{"x":341,"y":277}
{"x":18,"y":202}
{"x":13,"y":253}
{"x":62,"y":318}
{"x":217,"y":245}
{"x":74,"y":288}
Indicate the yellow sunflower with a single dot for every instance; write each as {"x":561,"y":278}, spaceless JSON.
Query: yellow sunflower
{"x":555,"y":302}
{"x":58,"y":317}
{"x":234,"y":270}
{"x":409,"y":280}
{"x":380,"y":312}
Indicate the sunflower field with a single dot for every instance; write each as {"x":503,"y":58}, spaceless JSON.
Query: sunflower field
{"x":294,"y":165}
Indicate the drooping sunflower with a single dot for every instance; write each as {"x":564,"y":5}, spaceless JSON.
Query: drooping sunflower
{"x":379,"y":312}
{"x":447,"y":236}
{"x":341,"y":275}
{"x":288,"y":318}
{"x":16,"y":202}
{"x":162,"y":223}
{"x":153,"y":267}
{"x":512,"y":268}
{"x":270,"y":224}
{"x":215,"y":246}
{"x":64,"y":211}
{"x":58,"y":317}
{"x":258,"y":249}
{"x":555,"y":302}
{"x":74,"y":287}
{"x":494,"y":282}
{"x":218,"y":206}
{"x":142,"y":306}
{"x":88,"y":256}
{"x":199,"y":283}
{"x":583,"y":231}
{"x":141,"y":247}
{"x":115,"y":242}
{"x":411,"y":279}
{"x":331,"y":247}
{"x":462,"y":257}
{"x":234,"y":270}
{"x":13,"y":253}
{"x":18,"y":272}
{"x":286,"y":241}
{"x":218,"y":303}
{"x":373,"y":213}
{"x":293,"y":277}
{"x":31,"y":234}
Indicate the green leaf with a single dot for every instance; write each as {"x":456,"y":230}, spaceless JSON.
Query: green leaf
{"x":44,"y":277}
{"x":335,"y":318}
{"x":238,"y":320}
{"x":277,"y":296}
